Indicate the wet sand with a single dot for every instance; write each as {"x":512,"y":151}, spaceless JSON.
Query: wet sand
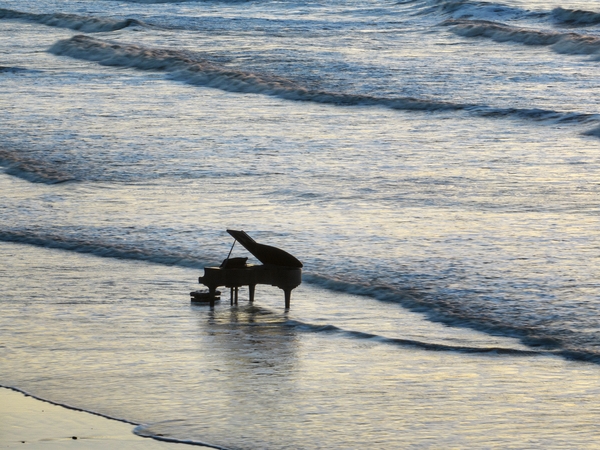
{"x":28,"y":423}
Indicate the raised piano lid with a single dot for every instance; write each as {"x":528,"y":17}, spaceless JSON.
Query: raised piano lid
{"x":266,"y":254}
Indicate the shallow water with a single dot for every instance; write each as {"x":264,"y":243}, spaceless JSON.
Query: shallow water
{"x":122,"y":338}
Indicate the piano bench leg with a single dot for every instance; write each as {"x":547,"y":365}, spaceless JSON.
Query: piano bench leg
{"x":251,"y":289}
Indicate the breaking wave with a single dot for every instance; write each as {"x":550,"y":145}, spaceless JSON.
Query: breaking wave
{"x":575,"y":17}
{"x":190,"y":69}
{"x":71,"y":21}
{"x":151,"y":2}
{"x":477,"y":9}
{"x":468,"y":8}
{"x":593,"y":132}
{"x":4,"y":69}
{"x":202,"y":72}
{"x":567,"y":43}
{"x":31,"y":169}
{"x":102,"y":248}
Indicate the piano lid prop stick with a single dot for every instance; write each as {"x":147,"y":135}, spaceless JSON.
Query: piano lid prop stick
{"x":231,"y":249}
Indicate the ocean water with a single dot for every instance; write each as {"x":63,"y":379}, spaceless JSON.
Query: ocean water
{"x":433,"y":163}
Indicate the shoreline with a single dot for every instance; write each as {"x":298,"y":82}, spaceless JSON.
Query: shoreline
{"x":30,"y":423}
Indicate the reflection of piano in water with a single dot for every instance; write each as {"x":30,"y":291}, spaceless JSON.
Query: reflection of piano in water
{"x":279,"y":269}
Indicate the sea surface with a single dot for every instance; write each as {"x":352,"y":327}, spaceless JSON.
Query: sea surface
{"x":434,"y":164}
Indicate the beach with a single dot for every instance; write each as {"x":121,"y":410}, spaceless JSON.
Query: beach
{"x":28,"y":423}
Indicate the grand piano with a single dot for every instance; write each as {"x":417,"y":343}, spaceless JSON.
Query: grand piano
{"x":278,"y":268}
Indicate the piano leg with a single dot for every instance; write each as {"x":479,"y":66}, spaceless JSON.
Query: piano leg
{"x":231,"y":296}
{"x":288,"y":295}
{"x":237,"y":289}
{"x":213,"y":292}
{"x":251,"y":289}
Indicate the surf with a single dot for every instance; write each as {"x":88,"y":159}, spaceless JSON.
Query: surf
{"x":560,"y":42}
{"x":33,"y":170}
{"x":575,"y":17}
{"x":189,"y":68}
{"x":71,"y":21}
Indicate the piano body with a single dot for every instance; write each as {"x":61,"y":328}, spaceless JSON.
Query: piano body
{"x":278,"y":268}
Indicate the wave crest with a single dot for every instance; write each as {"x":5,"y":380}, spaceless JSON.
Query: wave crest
{"x":5,"y":69}
{"x":101,"y":248}
{"x":152,"y":2}
{"x":31,"y":169}
{"x":193,"y":70}
{"x":569,"y":43}
{"x":575,"y":17}
{"x":470,"y":8}
{"x":197,"y":71}
{"x":593,"y":132}
{"x":71,"y":21}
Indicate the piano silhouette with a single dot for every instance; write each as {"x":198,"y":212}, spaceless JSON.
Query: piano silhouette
{"x":278,"y":268}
